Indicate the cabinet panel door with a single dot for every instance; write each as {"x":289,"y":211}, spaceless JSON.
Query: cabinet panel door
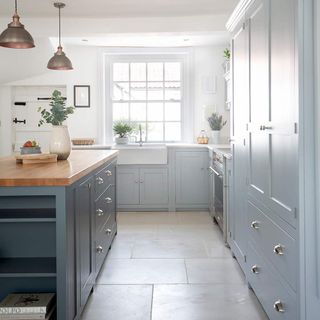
{"x":127,"y":186}
{"x":154,"y":186}
{"x":191,"y":178}
{"x":283,"y":197}
{"x":240,"y":117}
{"x":258,"y":143}
{"x":85,"y":228}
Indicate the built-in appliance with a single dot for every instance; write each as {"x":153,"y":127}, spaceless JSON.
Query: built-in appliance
{"x":219,"y":189}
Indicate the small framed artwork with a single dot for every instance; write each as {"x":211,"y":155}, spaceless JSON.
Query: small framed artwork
{"x":81,"y":96}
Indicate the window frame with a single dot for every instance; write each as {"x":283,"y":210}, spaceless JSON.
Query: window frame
{"x":184,"y":56}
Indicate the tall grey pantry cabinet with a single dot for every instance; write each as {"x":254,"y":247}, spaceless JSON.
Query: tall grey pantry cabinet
{"x":264,"y":229}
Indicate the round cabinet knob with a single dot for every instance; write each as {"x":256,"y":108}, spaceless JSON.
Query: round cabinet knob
{"x":108,"y":231}
{"x":99,"y":249}
{"x":108,"y":173}
{"x":278,"y":306}
{"x":108,"y":200}
{"x":100,"y":213}
{"x":255,"y":269}
{"x":255,"y":225}
{"x":279,"y":249}
{"x":100,"y":180}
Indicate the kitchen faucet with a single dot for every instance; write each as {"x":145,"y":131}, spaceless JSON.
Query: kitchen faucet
{"x":140,"y":134}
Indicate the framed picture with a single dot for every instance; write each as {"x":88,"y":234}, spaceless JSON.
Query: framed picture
{"x":82,"y":96}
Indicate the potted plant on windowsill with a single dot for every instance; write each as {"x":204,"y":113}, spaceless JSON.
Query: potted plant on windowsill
{"x":122,"y":131}
{"x":216,"y":124}
{"x":60,"y":143}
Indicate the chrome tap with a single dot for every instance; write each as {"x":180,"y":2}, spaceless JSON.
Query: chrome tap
{"x":140,"y":134}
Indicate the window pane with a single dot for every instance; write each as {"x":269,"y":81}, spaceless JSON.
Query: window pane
{"x":155,"y":71}
{"x":120,"y":111}
{"x":121,"y":72}
{"x":173,"y":131}
{"x":172,"y":71}
{"x":172,"y":91}
{"x":155,"y":91}
{"x":138,"y":111}
{"x":136,"y":132}
{"x":138,"y":71}
{"x":172,"y":111}
{"x":138,"y":91}
{"x":155,"y":131}
{"x":155,"y":111}
{"x":121,"y":91}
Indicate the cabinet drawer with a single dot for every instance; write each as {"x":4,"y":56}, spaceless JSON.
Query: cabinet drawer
{"x":104,"y":178}
{"x":269,"y":290}
{"x":275,"y":244}
{"x":103,"y":242}
{"x":104,"y":207}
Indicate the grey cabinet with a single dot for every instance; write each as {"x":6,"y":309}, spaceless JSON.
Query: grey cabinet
{"x":142,"y":187}
{"x":153,"y":186}
{"x":240,"y":117}
{"x":85,"y":238}
{"x":263,"y":220}
{"x":128,"y":184}
{"x":191,"y":178}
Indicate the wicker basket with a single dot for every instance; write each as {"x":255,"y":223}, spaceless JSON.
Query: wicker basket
{"x":83,"y":142}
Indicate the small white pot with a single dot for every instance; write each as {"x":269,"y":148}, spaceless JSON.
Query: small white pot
{"x":60,"y":143}
{"x":215,"y":136}
{"x":124,"y":140}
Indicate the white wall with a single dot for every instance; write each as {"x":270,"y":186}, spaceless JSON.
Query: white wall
{"x":87,"y":61}
{"x":207,"y":63}
{"x":5,"y":121}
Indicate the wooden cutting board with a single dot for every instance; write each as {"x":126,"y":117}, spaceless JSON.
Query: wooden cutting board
{"x":36,"y":158}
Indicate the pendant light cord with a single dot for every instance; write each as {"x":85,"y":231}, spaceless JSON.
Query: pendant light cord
{"x":16,"y":7}
{"x":59,"y":27}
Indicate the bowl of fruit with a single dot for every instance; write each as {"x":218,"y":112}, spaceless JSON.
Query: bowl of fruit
{"x":30,"y":147}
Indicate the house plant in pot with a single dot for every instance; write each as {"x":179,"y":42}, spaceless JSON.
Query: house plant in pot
{"x":216,"y":124}
{"x":60,"y":143}
{"x":122,"y":131}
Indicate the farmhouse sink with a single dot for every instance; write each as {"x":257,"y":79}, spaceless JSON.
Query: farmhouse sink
{"x":149,"y":153}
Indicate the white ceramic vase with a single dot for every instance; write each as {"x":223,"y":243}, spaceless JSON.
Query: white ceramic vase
{"x":215,"y":136}
{"x":124,"y":140}
{"x":60,"y":143}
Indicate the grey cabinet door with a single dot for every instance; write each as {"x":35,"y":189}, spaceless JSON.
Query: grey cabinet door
{"x":240,"y":117}
{"x":154,"y":186}
{"x":192,"y":180}
{"x":273,"y":142}
{"x":85,"y":245}
{"x":128,"y":186}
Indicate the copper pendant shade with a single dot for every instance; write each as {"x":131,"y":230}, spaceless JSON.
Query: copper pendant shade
{"x":16,"y":36}
{"x":59,"y":61}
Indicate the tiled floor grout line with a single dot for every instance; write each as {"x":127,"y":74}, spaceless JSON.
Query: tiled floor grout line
{"x":185,"y":266}
{"x":151,"y":308}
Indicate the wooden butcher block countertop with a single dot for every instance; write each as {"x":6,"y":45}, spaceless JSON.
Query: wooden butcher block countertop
{"x":62,"y":173}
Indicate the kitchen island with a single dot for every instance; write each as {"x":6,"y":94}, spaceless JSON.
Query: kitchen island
{"x":57,"y":223}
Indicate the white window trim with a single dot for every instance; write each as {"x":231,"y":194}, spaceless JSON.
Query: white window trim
{"x":108,"y":56}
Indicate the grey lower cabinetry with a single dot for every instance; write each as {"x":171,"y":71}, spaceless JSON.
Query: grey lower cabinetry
{"x":191,"y":179}
{"x":55,"y":238}
{"x":142,"y":187}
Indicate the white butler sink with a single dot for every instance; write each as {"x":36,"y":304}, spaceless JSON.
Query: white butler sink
{"x":149,"y":153}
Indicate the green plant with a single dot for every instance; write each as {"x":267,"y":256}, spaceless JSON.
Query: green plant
{"x":58,"y":112}
{"x":122,"y":129}
{"x":226,"y":53}
{"x":216,"y":121}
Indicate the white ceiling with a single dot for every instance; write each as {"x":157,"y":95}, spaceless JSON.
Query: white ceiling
{"x":150,"y":40}
{"x":120,"y":8}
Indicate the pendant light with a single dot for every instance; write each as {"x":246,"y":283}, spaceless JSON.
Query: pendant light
{"x":59,"y":61}
{"x":16,"y":36}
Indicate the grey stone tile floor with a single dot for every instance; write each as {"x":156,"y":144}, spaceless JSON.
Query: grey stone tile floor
{"x":170,"y":265}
